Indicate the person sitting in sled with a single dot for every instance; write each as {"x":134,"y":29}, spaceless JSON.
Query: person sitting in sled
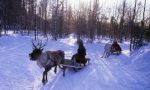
{"x":115,"y":48}
{"x":80,"y":56}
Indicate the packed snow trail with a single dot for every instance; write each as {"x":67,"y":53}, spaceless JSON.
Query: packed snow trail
{"x":123,"y":72}
{"x":99,"y":75}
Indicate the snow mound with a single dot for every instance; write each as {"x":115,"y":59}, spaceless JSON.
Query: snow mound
{"x":141,"y":59}
{"x":123,"y":72}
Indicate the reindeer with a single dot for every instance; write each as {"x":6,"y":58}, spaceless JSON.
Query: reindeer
{"x":47,"y":59}
{"x":107,"y":50}
{"x":111,"y":49}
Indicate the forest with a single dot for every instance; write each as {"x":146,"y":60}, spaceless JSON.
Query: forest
{"x":124,"y":21}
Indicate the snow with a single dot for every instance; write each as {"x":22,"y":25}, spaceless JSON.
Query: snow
{"x":128,"y":71}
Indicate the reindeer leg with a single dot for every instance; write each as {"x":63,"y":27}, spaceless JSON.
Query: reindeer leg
{"x":106,"y":55}
{"x":109,"y":53}
{"x":55,"y":70}
{"x":103,"y":54}
{"x":46,"y":78}
{"x":64,"y":69}
{"x":49,"y":68}
{"x":43,"y":80}
{"x":45,"y":75}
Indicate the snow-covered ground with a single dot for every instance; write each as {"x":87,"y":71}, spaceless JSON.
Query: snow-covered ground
{"x":128,"y":71}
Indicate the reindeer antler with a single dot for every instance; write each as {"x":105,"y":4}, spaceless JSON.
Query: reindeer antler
{"x":39,"y":44}
{"x":43,"y":45}
{"x":34,"y":46}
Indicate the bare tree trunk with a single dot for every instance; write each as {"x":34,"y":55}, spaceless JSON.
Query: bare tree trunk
{"x":121,"y":25}
{"x":132,"y":26}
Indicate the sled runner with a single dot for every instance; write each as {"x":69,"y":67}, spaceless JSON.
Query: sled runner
{"x":71,"y":64}
{"x":67,"y":63}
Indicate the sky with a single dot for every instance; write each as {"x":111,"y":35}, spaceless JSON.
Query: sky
{"x":76,"y":2}
{"x":108,"y":3}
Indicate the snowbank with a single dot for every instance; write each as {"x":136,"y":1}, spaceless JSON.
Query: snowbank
{"x":124,"y":72}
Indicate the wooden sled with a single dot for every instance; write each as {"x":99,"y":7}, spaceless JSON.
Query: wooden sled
{"x":71,"y":64}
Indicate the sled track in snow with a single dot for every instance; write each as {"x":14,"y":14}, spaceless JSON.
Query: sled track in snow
{"x":58,"y":77}
{"x":101,"y":74}
{"x":107,"y":71}
{"x":121,"y":78}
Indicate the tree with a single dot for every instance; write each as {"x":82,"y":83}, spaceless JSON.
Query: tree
{"x":132,"y":26}
{"x":57,"y":18}
{"x":121,"y":24}
{"x":93,"y":15}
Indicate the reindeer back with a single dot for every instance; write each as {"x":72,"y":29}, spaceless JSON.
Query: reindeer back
{"x":56,"y":56}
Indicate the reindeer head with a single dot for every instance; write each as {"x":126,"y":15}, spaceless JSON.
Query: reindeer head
{"x":37,"y":50}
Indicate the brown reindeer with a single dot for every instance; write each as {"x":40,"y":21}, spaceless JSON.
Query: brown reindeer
{"x":47,"y":59}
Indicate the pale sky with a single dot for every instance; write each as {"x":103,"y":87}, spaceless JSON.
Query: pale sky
{"x":108,"y":3}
